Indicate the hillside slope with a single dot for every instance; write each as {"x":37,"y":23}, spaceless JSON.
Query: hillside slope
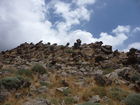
{"x":84,"y":74}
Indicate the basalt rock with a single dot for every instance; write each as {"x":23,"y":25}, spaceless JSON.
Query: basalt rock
{"x":107,"y":49}
{"x":77,"y":44}
{"x":133,"y":56}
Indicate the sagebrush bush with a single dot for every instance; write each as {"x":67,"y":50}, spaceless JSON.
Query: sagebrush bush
{"x":69,"y":100}
{"x":13,"y":82}
{"x":66,"y":92}
{"x":39,"y":69}
{"x":117,"y":94}
{"x":101,"y":91}
{"x":24,"y":72}
{"x":42,"y":83}
{"x":133,"y":99}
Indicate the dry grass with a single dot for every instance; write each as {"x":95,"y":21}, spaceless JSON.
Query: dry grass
{"x":84,"y":89}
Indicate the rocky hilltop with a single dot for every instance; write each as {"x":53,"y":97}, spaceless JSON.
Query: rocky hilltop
{"x":84,"y":74}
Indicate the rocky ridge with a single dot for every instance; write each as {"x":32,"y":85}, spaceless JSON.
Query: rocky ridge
{"x":45,"y":74}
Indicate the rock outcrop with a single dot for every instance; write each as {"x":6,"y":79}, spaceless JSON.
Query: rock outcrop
{"x":59,"y":72}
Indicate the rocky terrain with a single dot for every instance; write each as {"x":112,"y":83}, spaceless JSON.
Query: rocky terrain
{"x":84,"y":74}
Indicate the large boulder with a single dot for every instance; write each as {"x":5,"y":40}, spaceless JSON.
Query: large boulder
{"x":107,"y":49}
{"x":77,"y":44}
{"x":133,"y":56}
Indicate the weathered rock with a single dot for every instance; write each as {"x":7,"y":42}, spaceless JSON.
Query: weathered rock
{"x":95,"y":99}
{"x":37,"y":102}
{"x":62,"y":89}
{"x":112,"y":76}
{"x":107,"y":49}
{"x":67,"y":44}
{"x":98,"y":72}
{"x":98,"y":44}
{"x":42,"y":89}
{"x":77,"y":44}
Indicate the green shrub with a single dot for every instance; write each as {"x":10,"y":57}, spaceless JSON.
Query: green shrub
{"x":55,"y":101}
{"x":99,"y":91}
{"x":117,"y":94}
{"x":69,"y":50}
{"x":7,"y":70}
{"x":66,"y":92}
{"x":133,"y":99}
{"x":14,"y":82}
{"x":24,"y":72}
{"x":69,"y":100}
{"x":90,"y":103}
{"x":39,"y":69}
{"x":42,"y":83}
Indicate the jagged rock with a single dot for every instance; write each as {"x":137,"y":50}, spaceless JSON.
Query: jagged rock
{"x":67,"y":44}
{"x":112,"y":76}
{"x":116,"y":53}
{"x":77,"y":44}
{"x":62,"y":89}
{"x":97,"y":44}
{"x":107,"y":49}
{"x":48,"y":43}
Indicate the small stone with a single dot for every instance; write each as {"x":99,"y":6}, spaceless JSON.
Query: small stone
{"x":95,"y":99}
{"x":61,"y":89}
{"x":42,"y":89}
